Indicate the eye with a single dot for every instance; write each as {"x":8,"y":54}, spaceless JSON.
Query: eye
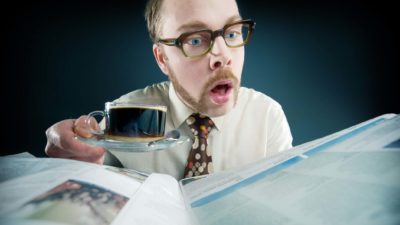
{"x":231,"y":35}
{"x":195,"y":41}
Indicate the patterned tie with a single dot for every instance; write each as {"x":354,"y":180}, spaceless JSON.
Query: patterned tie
{"x":199,"y":161}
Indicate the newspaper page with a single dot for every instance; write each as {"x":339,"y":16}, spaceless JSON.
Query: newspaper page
{"x":350,"y":177}
{"x":158,"y":201}
{"x":60,"y":191}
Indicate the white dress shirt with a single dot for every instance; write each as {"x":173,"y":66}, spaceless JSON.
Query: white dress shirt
{"x":255,"y":128}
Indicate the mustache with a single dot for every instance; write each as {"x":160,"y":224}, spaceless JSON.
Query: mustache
{"x":223,"y":74}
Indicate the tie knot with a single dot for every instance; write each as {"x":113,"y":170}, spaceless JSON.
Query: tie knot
{"x":200,"y":124}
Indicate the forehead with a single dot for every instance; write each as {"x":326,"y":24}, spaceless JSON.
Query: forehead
{"x":180,"y":15}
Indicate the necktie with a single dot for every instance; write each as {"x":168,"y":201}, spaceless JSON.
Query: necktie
{"x":199,"y":160}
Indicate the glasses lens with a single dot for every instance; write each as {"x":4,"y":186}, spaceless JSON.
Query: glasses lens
{"x":236,"y":35}
{"x":197,"y":43}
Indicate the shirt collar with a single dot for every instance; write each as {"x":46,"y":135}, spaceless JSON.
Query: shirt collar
{"x":180,"y":112}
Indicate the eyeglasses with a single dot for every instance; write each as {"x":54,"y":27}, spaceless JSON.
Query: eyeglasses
{"x":199,"y":43}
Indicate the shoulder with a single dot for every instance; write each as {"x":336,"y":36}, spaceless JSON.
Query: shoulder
{"x":259,"y":105}
{"x":250,"y":98}
{"x":152,"y":93}
{"x":265,"y":114}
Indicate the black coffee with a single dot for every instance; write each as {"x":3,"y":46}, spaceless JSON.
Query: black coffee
{"x":127,"y":123}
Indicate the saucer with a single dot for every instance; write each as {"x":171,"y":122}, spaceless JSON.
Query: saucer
{"x":137,"y":146}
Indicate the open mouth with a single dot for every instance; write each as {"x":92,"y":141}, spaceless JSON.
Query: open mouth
{"x":222,"y":87}
{"x":221,"y":91}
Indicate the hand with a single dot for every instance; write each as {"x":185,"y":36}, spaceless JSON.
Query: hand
{"x":61,"y":142}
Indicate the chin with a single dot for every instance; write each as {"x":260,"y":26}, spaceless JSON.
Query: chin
{"x":217,"y":111}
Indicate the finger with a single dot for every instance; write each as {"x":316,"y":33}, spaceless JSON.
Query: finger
{"x":85,"y":125}
{"x":53,"y":134}
{"x":53,"y":151}
{"x":82,"y":149}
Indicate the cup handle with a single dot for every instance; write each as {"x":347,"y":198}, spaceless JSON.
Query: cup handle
{"x":88,"y":123}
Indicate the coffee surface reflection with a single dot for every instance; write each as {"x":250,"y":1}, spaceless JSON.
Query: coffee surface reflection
{"x":135,"y":123}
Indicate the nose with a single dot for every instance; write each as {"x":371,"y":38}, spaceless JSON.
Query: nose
{"x":220,"y":54}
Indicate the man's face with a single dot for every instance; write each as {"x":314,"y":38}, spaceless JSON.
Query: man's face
{"x":208,"y":84}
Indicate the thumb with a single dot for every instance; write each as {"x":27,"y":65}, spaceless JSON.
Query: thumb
{"x":85,"y":125}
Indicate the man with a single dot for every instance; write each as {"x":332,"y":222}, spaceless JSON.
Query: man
{"x":198,"y":44}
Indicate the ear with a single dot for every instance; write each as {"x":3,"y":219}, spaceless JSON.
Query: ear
{"x":160,"y":58}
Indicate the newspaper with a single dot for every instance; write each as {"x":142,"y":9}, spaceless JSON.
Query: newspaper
{"x":350,"y":177}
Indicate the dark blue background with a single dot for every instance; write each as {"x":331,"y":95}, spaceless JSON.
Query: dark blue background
{"x":330,"y":65}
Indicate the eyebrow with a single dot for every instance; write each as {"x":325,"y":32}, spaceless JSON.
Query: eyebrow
{"x":200,"y":25}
